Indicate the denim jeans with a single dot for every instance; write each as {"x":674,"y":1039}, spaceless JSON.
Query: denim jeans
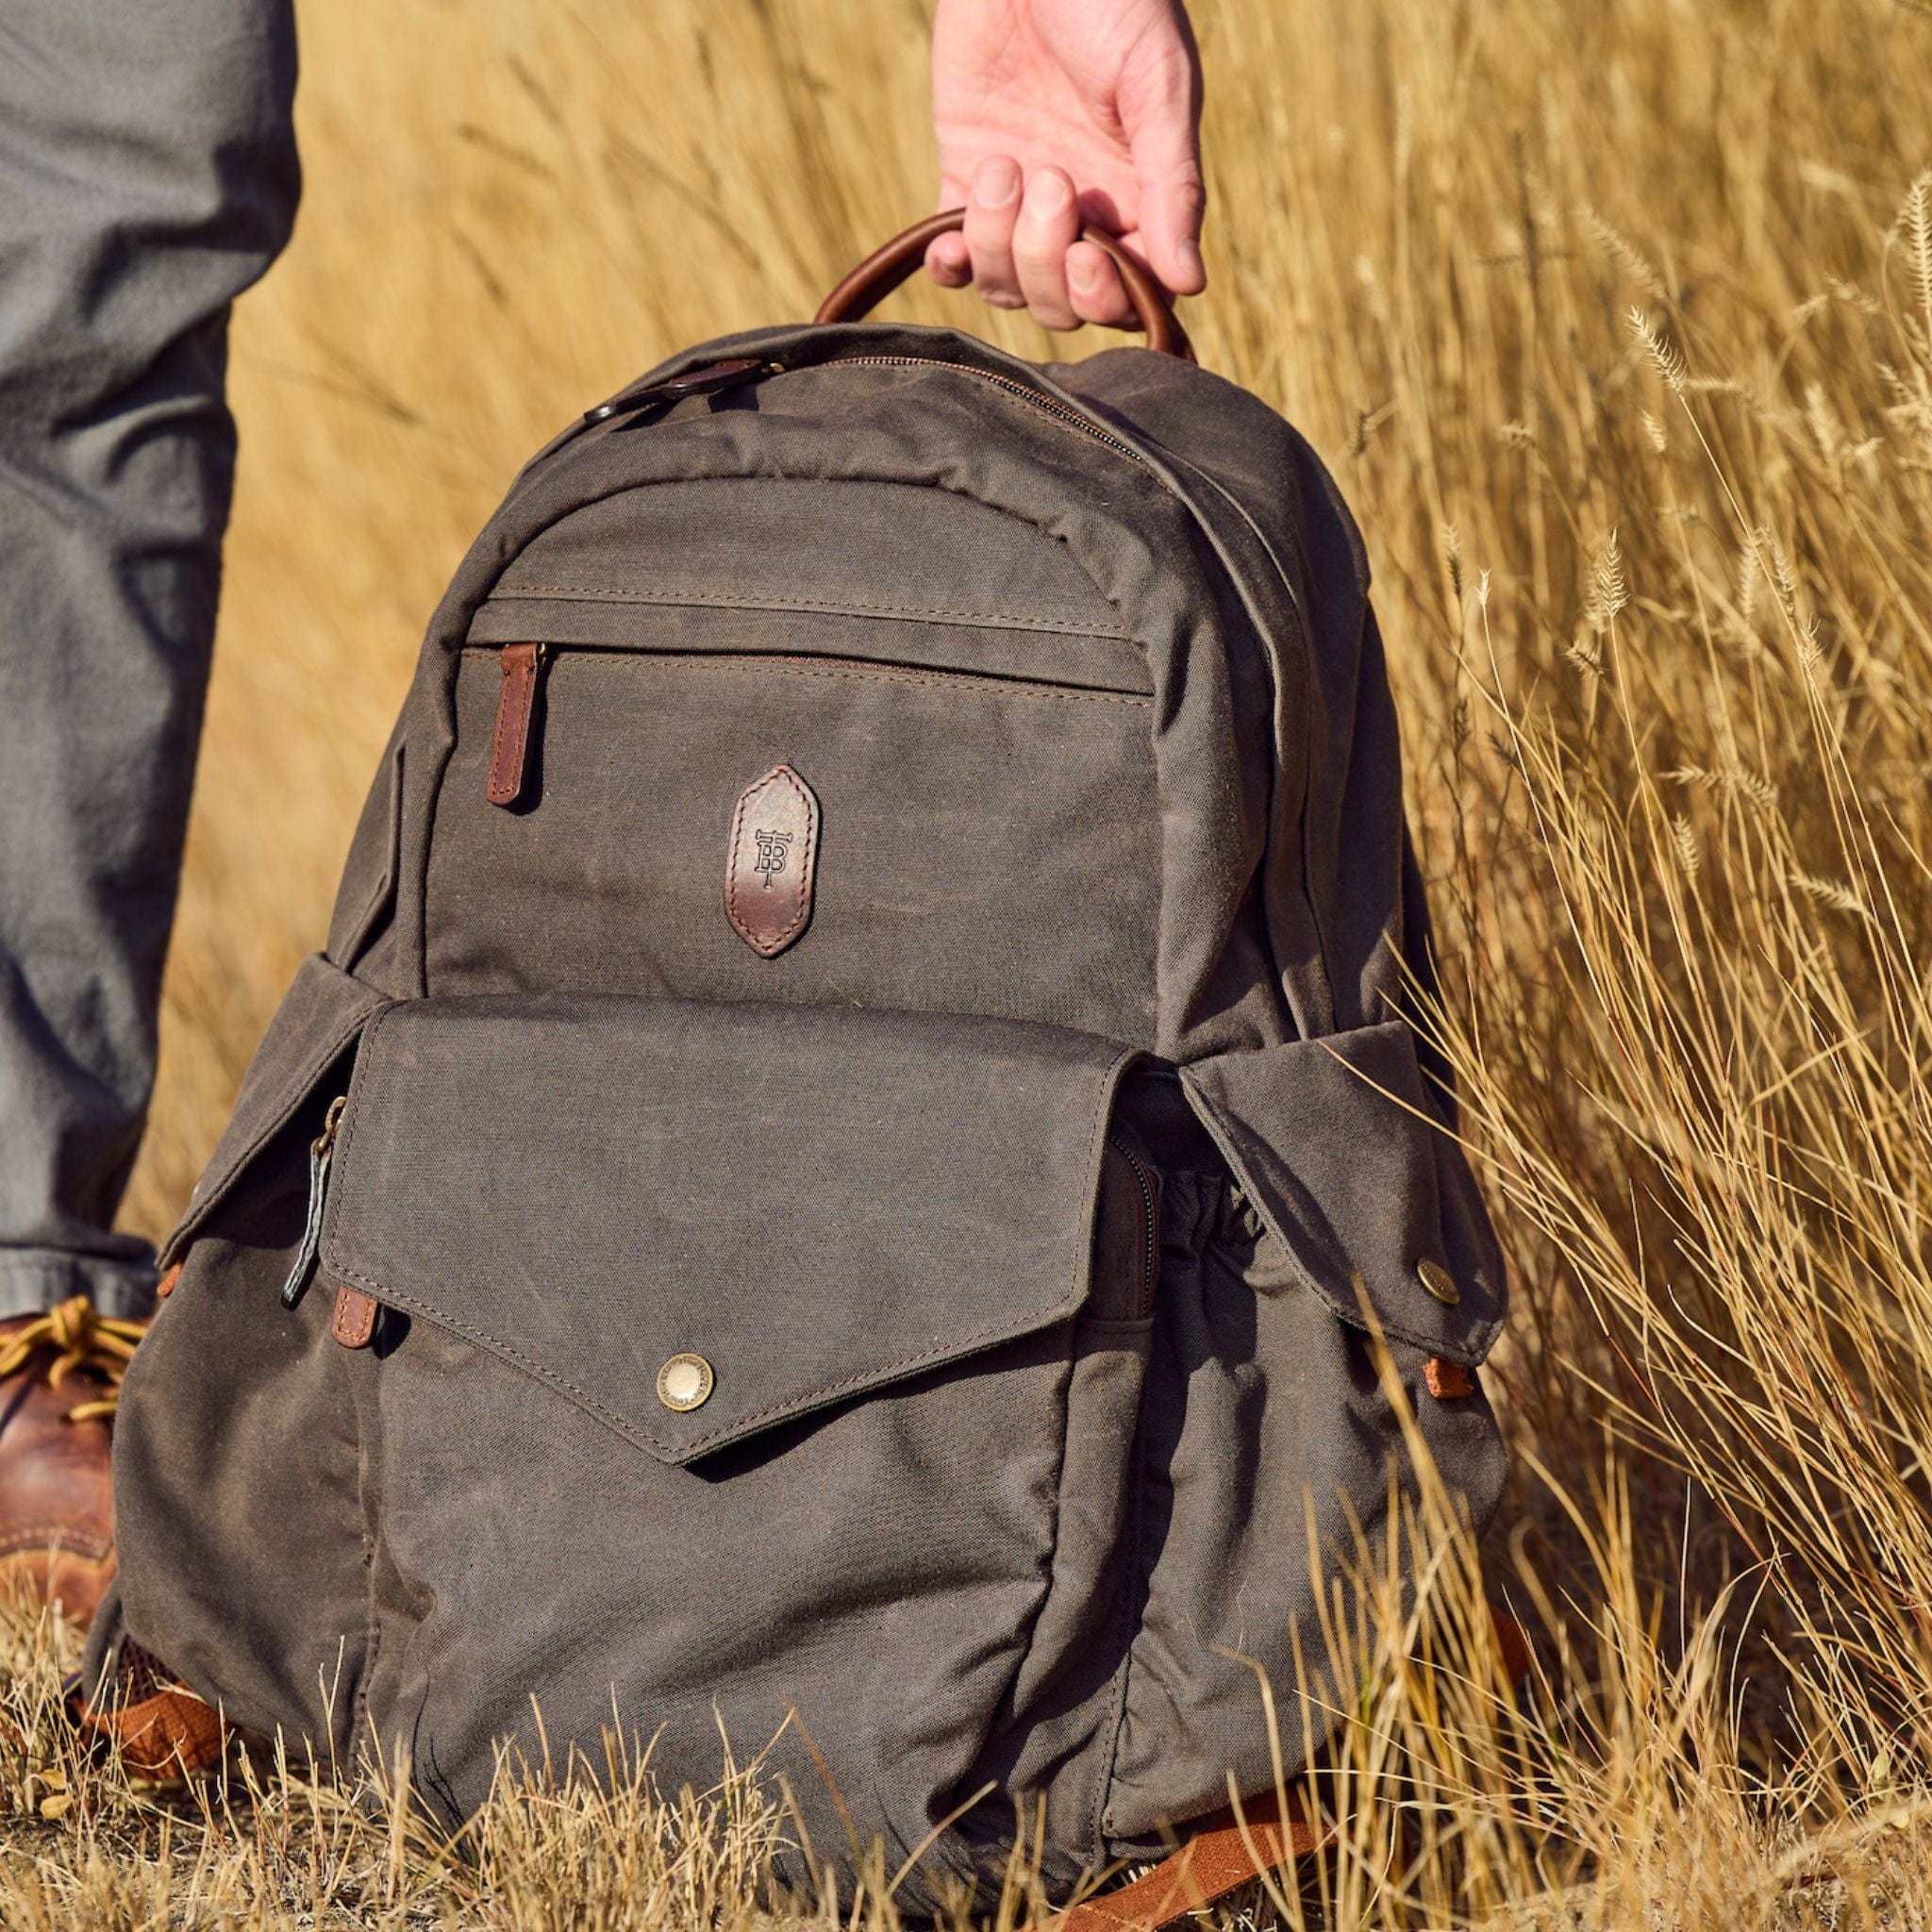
{"x":147,"y":176}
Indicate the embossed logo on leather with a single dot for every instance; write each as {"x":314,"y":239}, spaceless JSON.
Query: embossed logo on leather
{"x":771,"y":853}
{"x":773,"y":865}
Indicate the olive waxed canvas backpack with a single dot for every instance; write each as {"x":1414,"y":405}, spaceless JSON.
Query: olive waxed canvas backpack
{"x":837,"y":1173}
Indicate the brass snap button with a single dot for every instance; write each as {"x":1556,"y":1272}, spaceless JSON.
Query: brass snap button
{"x":685,"y":1382}
{"x":1439,"y":1281}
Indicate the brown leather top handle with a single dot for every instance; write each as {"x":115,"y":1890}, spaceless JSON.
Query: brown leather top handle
{"x":881,"y":272}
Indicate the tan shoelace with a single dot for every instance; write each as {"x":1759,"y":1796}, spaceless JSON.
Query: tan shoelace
{"x":81,"y":1338}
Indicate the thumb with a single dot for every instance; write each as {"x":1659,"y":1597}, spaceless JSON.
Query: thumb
{"x":1164,"y":138}
{"x":1171,"y":206}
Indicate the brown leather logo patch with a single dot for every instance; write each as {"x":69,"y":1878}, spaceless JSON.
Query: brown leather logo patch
{"x":773,"y":863}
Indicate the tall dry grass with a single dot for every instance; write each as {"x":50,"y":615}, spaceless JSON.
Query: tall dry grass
{"x":1616,"y":325}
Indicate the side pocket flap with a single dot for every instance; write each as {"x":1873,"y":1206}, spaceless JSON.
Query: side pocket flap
{"x":320,"y":1014}
{"x":1353,"y":1174}
{"x":696,"y":1221}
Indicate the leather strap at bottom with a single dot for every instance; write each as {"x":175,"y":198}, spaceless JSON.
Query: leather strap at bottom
{"x":1225,"y":1854}
{"x":159,"y":1729}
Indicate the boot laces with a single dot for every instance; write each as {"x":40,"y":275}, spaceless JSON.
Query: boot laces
{"x":81,"y":1340}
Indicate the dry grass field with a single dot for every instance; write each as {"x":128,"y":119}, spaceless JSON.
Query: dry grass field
{"x":1615,"y":322}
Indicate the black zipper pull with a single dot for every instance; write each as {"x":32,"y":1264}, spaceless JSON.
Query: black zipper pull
{"x":707,"y":381}
{"x":321,"y":1153}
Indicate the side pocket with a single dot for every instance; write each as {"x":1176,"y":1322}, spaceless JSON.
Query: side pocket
{"x":1369,"y":1196}
{"x":237,"y":1452}
{"x":1055,"y":1737}
{"x":320,"y":1015}
{"x":368,"y":893}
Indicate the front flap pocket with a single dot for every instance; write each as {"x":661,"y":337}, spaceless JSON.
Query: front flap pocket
{"x":1334,"y":1142}
{"x":697,"y":1220}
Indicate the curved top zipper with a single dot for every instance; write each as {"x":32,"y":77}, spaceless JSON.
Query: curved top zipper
{"x":1052,"y":407}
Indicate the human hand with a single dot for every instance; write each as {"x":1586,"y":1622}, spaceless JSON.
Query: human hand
{"x":1054,"y":112}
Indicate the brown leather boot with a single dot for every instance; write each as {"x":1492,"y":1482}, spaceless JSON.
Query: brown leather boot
{"x":59,"y":1379}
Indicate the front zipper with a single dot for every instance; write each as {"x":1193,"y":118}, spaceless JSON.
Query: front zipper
{"x":1150,"y":1225}
{"x":1052,"y":407}
{"x":321,"y":1152}
{"x":523,"y":664}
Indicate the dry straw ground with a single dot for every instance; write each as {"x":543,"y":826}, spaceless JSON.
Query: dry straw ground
{"x":1616,"y":323}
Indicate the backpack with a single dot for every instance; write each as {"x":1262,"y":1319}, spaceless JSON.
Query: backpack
{"x":838,"y":1178}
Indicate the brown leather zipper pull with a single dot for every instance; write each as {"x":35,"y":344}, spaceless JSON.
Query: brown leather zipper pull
{"x":354,"y":1322}
{"x":509,"y":749}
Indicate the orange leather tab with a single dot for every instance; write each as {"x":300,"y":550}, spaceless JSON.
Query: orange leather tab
{"x":1219,"y":1859}
{"x":515,"y":702}
{"x":1447,"y":1380}
{"x":158,"y":1727}
{"x":771,"y":868}
{"x":353,"y":1321}
{"x":165,"y":1287}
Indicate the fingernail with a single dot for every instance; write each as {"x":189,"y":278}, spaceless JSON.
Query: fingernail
{"x":1082,"y":273}
{"x":1190,"y":257}
{"x":997,"y":182}
{"x":1048,"y":194}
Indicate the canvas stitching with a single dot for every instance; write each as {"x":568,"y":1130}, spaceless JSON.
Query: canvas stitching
{"x":954,"y":680}
{"x":673,"y":596}
{"x":1130,"y":1607}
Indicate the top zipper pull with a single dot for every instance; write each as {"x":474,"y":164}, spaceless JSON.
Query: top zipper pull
{"x":707,"y":381}
{"x":321,"y":1154}
{"x":516,"y":703}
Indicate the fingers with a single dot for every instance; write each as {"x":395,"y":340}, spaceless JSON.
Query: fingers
{"x":993,"y":209}
{"x":949,"y":263}
{"x":1048,"y":226}
{"x":1094,"y":284}
{"x":1021,"y":248}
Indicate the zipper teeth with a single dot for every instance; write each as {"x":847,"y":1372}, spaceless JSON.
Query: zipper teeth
{"x":1149,"y":1253}
{"x":1005,"y":382}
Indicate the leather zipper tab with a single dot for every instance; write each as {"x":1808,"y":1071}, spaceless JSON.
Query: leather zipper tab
{"x":353,"y":1323}
{"x":321,"y":1154}
{"x":509,"y":750}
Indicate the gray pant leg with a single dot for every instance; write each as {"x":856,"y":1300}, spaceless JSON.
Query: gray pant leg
{"x":147,"y":176}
